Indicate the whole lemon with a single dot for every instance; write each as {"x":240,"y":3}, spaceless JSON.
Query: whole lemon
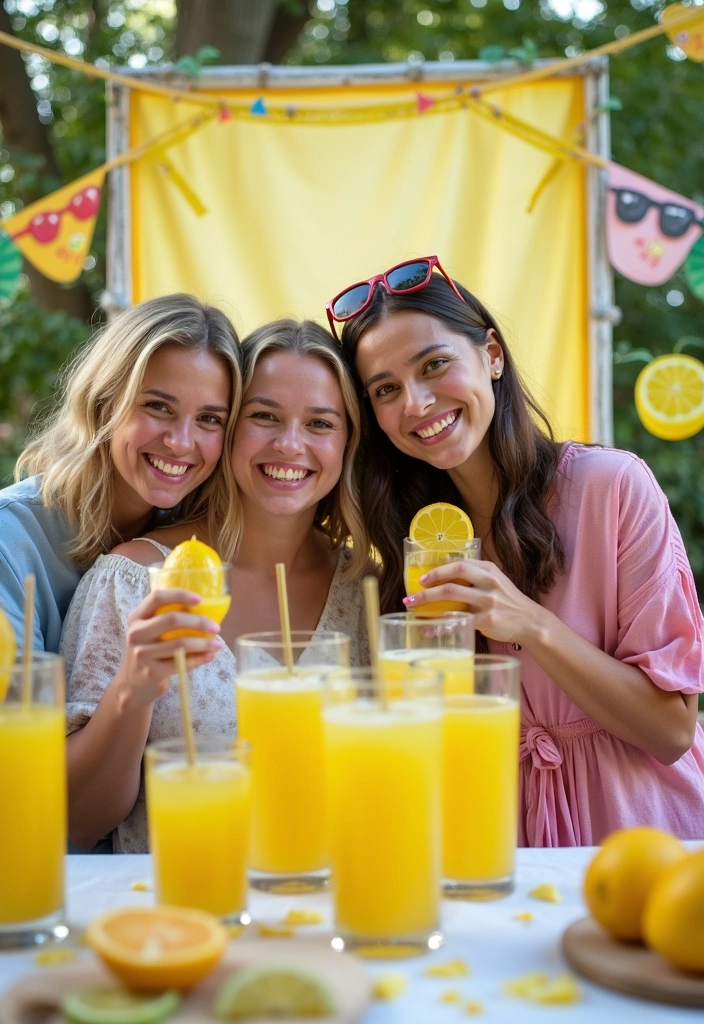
{"x":622,"y":873}
{"x":7,"y":653}
{"x":194,"y":566}
{"x":673,"y":921}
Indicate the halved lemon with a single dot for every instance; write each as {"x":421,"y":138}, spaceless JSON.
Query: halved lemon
{"x":112,"y":1004}
{"x":156,"y":948}
{"x":441,"y":526}
{"x":273,"y":991}
{"x":669,"y":396}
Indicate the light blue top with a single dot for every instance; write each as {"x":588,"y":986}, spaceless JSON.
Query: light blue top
{"x":33,"y":538}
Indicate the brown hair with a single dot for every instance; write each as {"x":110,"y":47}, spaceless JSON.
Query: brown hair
{"x":395,"y":485}
{"x":339,"y":513}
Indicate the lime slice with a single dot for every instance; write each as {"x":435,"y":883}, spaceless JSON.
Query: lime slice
{"x":111,"y":1004}
{"x":270,"y":991}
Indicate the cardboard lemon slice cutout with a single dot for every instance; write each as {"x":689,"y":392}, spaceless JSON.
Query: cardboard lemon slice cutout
{"x":156,"y":948}
{"x":8,"y":650}
{"x":441,"y":527}
{"x":669,"y":396}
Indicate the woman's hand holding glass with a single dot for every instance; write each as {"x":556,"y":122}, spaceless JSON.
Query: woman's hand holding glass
{"x":501,"y":611}
{"x":148,"y":660}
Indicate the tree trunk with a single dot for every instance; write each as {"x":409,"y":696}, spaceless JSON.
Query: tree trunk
{"x":23,"y":130}
{"x":239,"y":28}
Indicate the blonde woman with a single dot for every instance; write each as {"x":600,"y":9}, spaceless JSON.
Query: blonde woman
{"x":293,"y":500}
{"x":139,"y":425}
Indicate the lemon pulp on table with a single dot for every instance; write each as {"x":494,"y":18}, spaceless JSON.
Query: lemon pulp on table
{"x":283,"y":991}
{"x":112,"y":1004}
{"x":669,"y":396}
{"x":8,"y":651}
{"x":194,"y":566}
{"x":441,"y":527}
{"x":157,"y":948}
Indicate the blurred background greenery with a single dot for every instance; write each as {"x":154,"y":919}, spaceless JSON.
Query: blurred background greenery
{"x":52,"y":129}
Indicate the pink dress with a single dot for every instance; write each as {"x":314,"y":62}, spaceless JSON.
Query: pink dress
{"x":628,"y":589}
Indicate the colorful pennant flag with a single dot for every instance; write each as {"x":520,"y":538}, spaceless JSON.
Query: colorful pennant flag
{"x":10,"y":267}
{"x":258,"y":108}
{"x":55,"y":233}
{"x":424,"y":102}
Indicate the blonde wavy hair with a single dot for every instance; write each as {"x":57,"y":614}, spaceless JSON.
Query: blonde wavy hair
{"x":96,"y":393}
{"x":339,"y":513}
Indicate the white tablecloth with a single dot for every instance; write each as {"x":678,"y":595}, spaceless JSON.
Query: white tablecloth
{"x":485,"y":935}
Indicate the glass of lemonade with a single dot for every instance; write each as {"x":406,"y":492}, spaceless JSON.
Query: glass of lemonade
{"x":383,"y":773}
{"x":199,"y":818}
{"x":446,"y":644}
{"x":33,"y":813}
{"x":280,"y":714}
{"x":480,"y":781}
{"x":417,"y":560}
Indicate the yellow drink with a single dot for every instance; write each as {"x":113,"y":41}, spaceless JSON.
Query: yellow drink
{"x":32,"y":811}
{"x":281,"y":718}
{"x":383,"y":775}
{"x":455,"y":665}
{"x":411,"y":578}
{"x":199,"y":834}
{"x":480,"y":786}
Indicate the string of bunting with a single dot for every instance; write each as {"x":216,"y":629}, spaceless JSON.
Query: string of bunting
{"x":676,"y":20}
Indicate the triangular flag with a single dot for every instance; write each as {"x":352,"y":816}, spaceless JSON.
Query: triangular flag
{"x":258,"y":108}
{"x":10,"y":267}
{"x":424,"y":102}
{"x":55,"y":233}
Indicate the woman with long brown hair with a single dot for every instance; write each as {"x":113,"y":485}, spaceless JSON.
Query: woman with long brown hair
{"x":584,"y":576}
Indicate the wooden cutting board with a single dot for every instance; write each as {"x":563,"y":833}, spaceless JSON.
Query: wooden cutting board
{"x":36,"y":997}
{"x":627,"y":968}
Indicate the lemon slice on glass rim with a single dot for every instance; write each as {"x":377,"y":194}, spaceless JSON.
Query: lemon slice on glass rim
{"x":669,"y":396}
{"x":441,"y":526}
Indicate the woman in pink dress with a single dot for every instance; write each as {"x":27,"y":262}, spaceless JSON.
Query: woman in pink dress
{"x":584,"y":574}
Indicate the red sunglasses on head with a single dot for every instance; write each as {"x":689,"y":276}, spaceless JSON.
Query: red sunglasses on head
{"x":404,"y":278}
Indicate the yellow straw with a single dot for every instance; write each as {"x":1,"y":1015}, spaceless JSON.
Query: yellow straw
{"x":371,"y":603}
{"x":284,"y":616}
{"x":28,"y":639}
{"x":185,"y":702}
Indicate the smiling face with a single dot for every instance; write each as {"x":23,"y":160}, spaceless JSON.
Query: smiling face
{"x":290,"y":436}
{"x":172,"y":439}
{"x":429,"y":387}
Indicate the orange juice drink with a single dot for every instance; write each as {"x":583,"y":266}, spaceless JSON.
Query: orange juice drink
{"x":279,"y":711}
{"x":383,"y":776}
{"x":33,"y":806}
{"x":456,"y":667}
{"x":281,"y":717}
{"x":199,"y":825}
{"x":480,"y":786}
{"x":419,"y":560}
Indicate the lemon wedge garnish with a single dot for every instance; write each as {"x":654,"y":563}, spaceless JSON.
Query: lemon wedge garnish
{"x":8,"y":650}
{"x":441,"y":527}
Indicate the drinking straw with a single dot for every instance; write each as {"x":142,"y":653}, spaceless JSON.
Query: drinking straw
{"x":284,"y":616}
{"x":371,"y":603}
{"x":28,"y":639}
{"x":185,"y":702}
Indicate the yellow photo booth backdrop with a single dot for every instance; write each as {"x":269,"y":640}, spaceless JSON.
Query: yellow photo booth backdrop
{"x":295,"y":212}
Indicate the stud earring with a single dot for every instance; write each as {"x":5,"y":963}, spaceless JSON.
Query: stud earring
{"x":496,"y":374}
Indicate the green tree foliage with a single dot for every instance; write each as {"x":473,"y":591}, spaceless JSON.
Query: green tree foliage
{"x":657,"y":100}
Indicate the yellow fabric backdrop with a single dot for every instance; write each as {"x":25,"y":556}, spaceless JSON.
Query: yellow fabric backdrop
{"x":297,"y":212}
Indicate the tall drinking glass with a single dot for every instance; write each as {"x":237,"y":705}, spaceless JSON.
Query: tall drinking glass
{"x":383,"y":768}
{"x":480,"y":781}
{"x":417,"y":560}
{"x":199,"y":824}
{"x":446,"y":644}
{"x":33,"y":802}
{"x":280,"y":714}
